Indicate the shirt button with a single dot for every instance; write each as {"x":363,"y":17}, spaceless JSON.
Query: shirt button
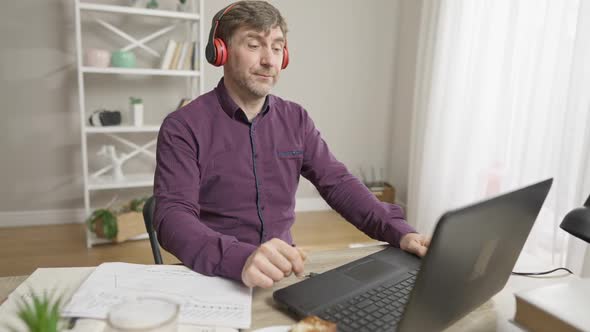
{"x":263,"y":208}
{"x":256,"y":156}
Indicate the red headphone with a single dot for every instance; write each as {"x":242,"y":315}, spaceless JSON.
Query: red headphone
{"x":216,"y":50}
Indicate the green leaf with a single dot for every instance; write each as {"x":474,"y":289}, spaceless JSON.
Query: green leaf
{"x":109,"y":226}
{"x":40,"y":313}
{"x":137,"y":204}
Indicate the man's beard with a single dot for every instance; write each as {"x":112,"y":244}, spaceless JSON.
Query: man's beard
{"x":257,"y":89}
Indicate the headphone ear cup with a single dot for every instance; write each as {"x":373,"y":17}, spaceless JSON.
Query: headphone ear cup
{"x":220,"y":52}
{"x":285,"y":58}
{"x":210,"y":52}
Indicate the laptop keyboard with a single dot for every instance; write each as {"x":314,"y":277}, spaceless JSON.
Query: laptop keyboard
{"x":378,"y":309}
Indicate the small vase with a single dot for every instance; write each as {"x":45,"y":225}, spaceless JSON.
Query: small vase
{"x":181,"y":7}
{"x":123,"y":59}
{"x":99,"y":58}
{"x":137,"y":114}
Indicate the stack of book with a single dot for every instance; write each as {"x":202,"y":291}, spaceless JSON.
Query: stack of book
{"x":181,"y":55}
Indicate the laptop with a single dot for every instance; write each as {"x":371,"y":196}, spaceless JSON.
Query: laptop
{"x":471,"y":256}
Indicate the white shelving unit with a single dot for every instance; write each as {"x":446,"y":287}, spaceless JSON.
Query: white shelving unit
{"x":101,"y":179}
{"x":140,"y":71}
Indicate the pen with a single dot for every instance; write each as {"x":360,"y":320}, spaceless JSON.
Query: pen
{"x":72,"y":322}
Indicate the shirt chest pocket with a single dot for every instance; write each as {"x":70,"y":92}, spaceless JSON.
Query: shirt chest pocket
{"x":289,"y":159}
{"x":291,"y":153}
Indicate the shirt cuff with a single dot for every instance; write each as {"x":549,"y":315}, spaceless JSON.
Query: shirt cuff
{"x":398,"y":225}
{"x":234,"y":259}
{"x":401,"y":228}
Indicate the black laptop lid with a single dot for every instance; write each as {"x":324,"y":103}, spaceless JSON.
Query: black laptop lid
{"x":471,"y":257}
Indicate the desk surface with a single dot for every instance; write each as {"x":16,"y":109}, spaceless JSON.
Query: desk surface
{"x":493,"y":315}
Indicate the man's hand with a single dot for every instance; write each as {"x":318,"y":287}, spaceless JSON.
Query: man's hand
{"x":271,"y":262}
{"x":415,"y":243}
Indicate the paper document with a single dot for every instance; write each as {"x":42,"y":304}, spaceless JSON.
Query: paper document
{"x":209,"y":301}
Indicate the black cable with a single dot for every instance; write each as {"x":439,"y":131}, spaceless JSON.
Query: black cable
{"x":541,"y":273}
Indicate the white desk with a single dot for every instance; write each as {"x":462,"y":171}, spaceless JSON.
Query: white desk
{"x":494,"y":315}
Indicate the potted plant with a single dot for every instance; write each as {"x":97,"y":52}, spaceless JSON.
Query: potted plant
{"x":119,"y":224}
{"x":40,"y":314}
{"x":103,"y":223}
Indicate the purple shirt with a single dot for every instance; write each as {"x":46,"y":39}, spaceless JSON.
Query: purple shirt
{"x":223,"y":185}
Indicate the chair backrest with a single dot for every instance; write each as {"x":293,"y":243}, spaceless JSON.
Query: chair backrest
{"x":148,"y":217}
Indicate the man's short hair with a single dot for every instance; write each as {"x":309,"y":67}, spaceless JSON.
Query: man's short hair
{"x":253,"y":14}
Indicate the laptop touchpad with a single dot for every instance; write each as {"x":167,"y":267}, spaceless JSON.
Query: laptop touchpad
{"x":372,"y":270}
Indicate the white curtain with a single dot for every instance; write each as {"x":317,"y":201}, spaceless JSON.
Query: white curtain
{"x":502,"y":100}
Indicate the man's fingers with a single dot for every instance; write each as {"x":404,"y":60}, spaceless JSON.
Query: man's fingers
{"x":412,"y":246}
{"x":268,"y":268}
{"x":293,"y":255}
{"x":302,"y":253}
{"x":274,"y":256}
{"x":254,"y":278}
{"x":422,"y":251}
{"x":417,"y":248}
{"x":271,"y":262}
{"x":427,"y":241}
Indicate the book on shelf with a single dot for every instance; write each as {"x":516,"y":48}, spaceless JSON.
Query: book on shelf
{"x":559,"y":307}
{"x":182,"y":57}
{"x":195,"y":57}
{"x":176,"y":56}
{"x":168,"y":54}
{"x":189,"y":57}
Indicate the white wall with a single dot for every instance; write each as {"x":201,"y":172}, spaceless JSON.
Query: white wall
{"x":405,"y":69}
{"x":342,"y":70}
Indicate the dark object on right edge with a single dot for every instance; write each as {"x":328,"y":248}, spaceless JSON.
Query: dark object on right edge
{"x":577,"y":222}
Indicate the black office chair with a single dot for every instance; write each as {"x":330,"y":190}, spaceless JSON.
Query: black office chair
{"x":148,"y":217}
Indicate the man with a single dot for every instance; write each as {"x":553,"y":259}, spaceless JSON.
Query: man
{"x":228,"y":164}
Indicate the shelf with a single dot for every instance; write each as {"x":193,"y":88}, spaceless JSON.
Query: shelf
{"x":138,"y":11}
{"x":93,"y":239}
{"x":122,"y":129}
{"x":132,"y":142}
{"x":131,"y":181}
{"x":140,"y":71}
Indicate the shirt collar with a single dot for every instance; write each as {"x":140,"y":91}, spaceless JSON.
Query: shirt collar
{"x":230,"y":107}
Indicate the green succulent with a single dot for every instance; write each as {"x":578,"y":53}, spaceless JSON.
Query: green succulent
{"x":134,"y":100}
{"x":109,"y":222}
{"x":40,"y":314}
{"x":137,"y":204}
{"x":152,"y":4}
